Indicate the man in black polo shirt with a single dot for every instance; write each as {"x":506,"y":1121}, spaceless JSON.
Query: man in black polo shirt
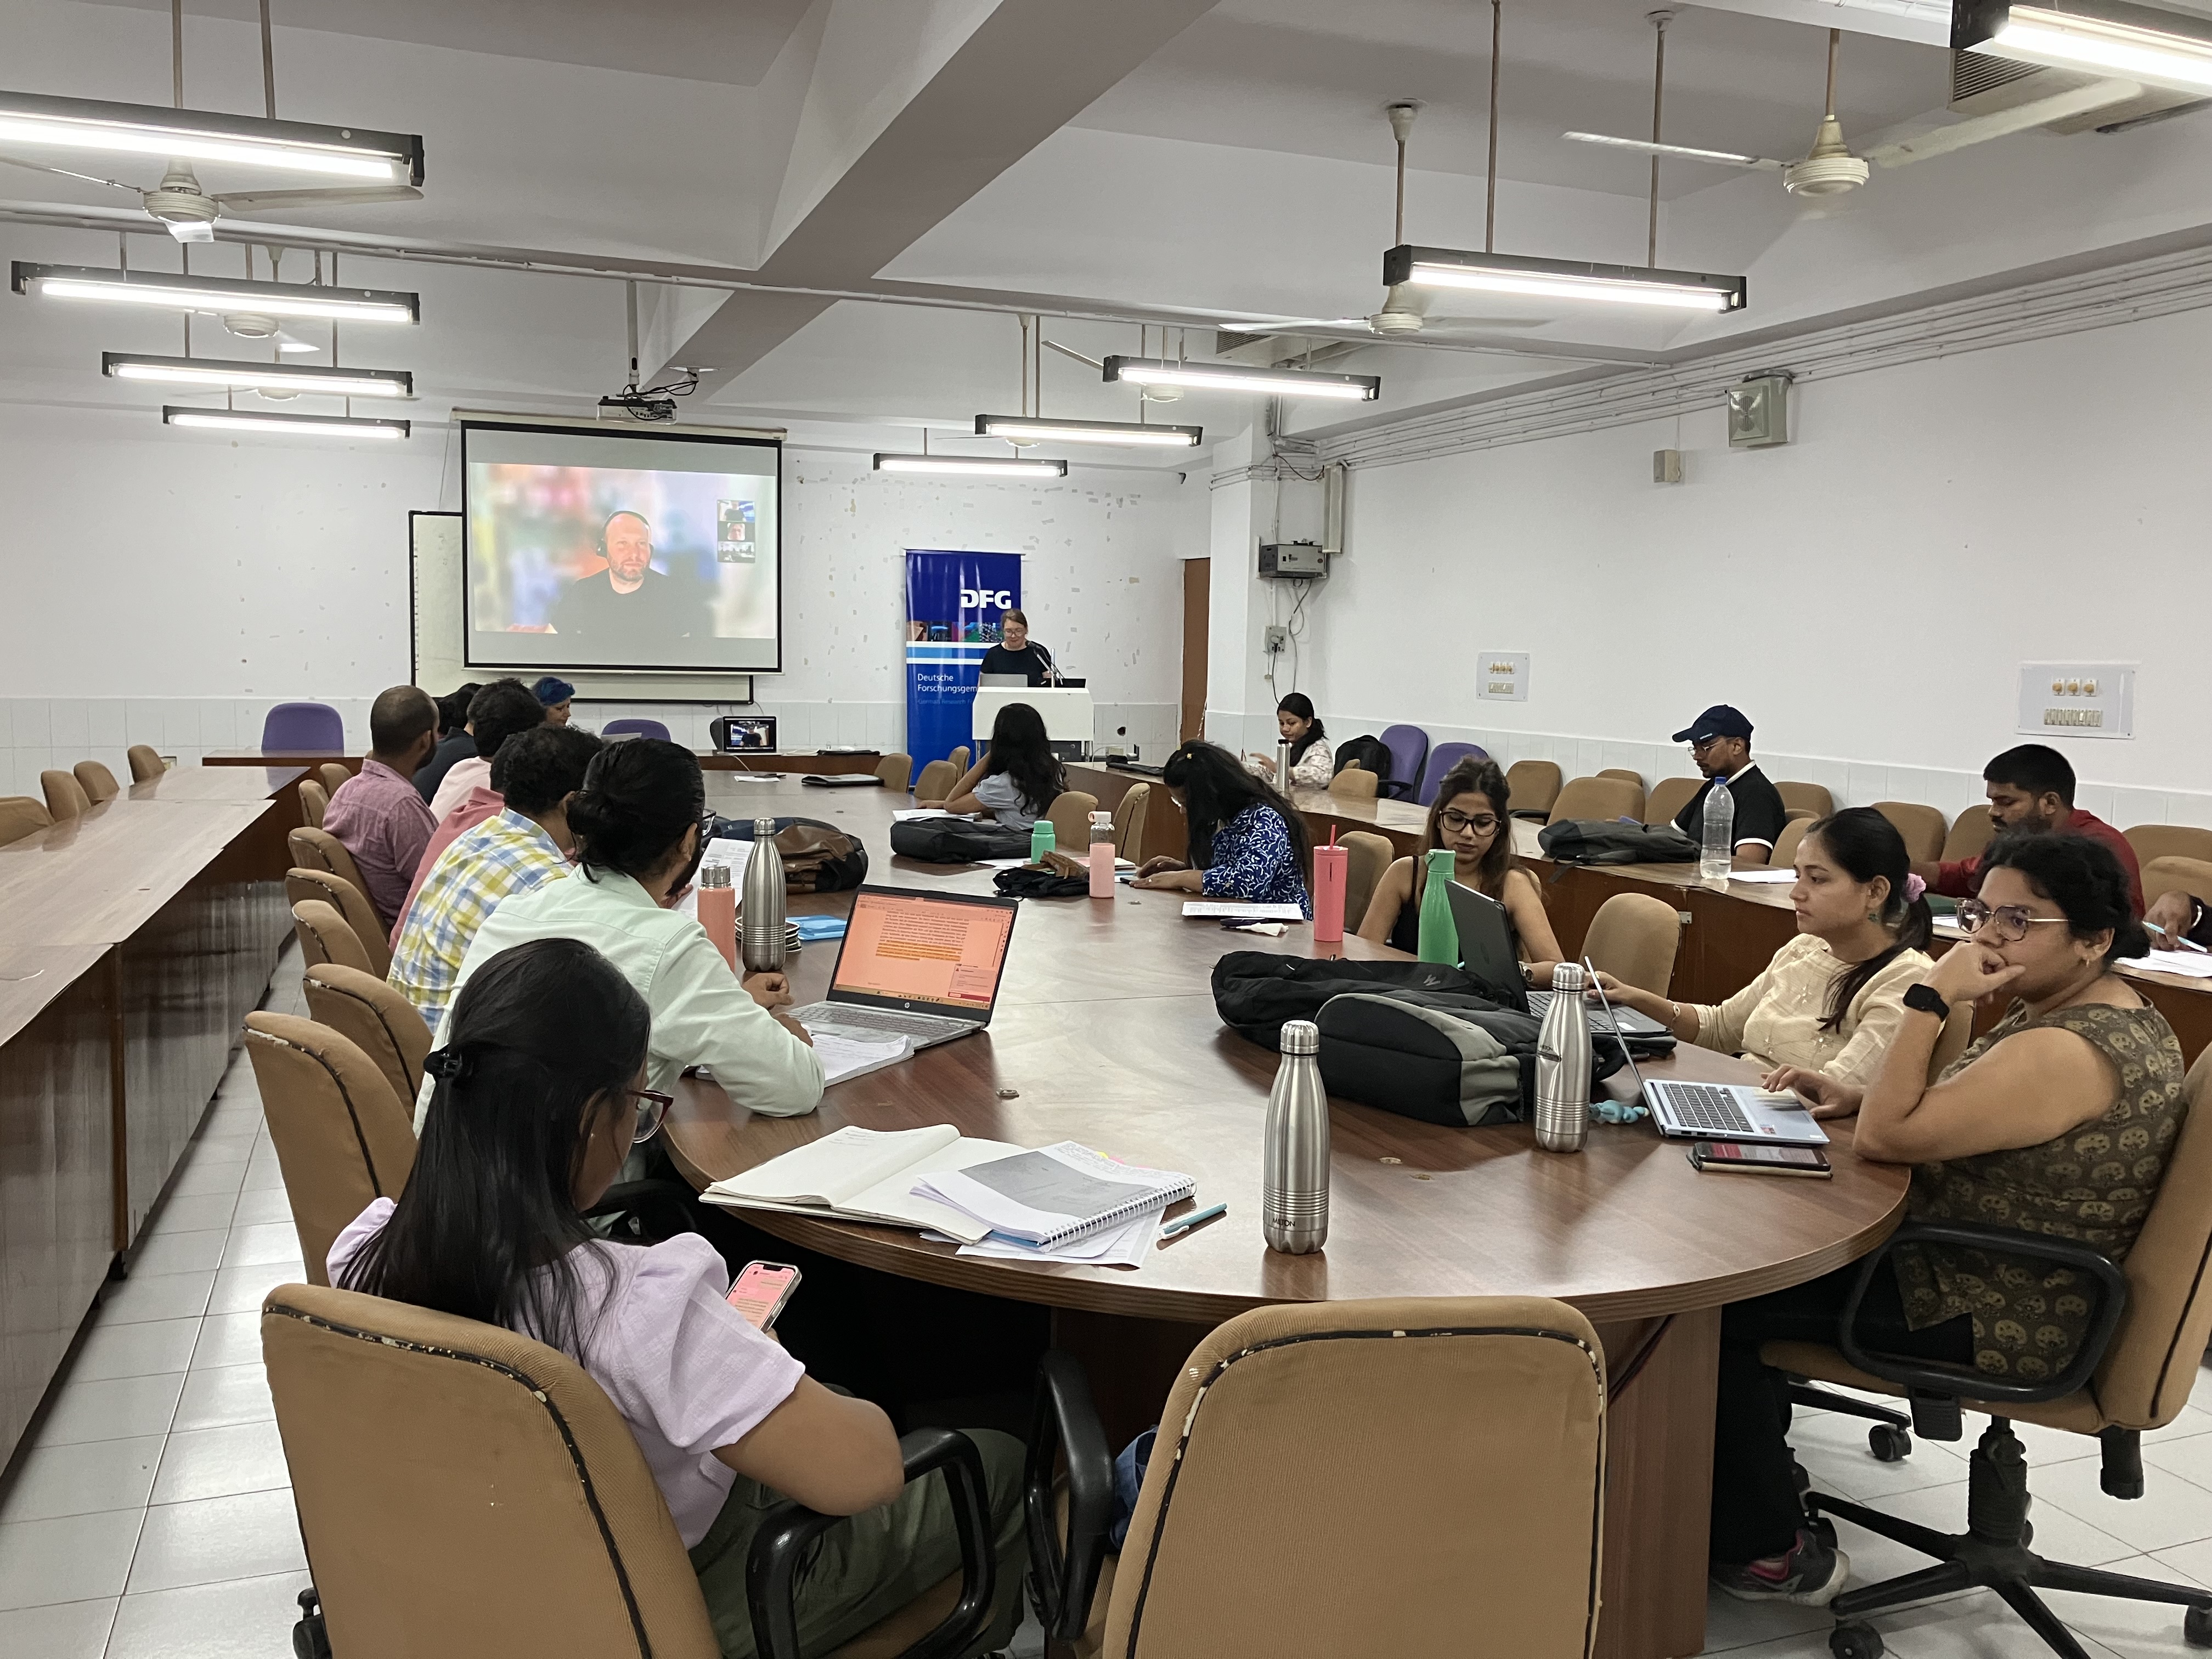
{"x":1720,"y":743}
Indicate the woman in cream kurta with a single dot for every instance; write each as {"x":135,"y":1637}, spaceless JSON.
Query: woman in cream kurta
{"x":1777,"y":1020}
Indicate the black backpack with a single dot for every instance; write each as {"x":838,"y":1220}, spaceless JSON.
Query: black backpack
{"x":1255,"y":991}
{"x":1467,"y":1067}
{"x":1606,"y":841}
{"x":828,"y":862}
{"x":956,"y":841}
{"x":1368,"y":753}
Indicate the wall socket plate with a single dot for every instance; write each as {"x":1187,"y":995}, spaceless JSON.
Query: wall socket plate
{"x":2077,"y":699}
{"x":1505,"y":675}
{"x":1277,"y":638}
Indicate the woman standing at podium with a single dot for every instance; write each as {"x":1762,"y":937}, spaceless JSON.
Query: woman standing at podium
{"x":1018,"y":653}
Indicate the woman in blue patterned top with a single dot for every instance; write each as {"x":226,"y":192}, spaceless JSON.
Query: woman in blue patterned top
{"x":1246,"y":842}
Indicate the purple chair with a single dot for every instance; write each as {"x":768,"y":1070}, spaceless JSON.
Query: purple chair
{"x":642,"y":728}
{"x":291,"y":727}
{"x":1409,"y":747}
{"x":1442,"y":759}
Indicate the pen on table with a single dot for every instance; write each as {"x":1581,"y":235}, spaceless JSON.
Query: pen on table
{"x":2180,"y":941}
{"x":1182,"y":1224}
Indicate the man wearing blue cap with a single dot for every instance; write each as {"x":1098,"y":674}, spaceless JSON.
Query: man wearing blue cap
{"x":1720,"y":743}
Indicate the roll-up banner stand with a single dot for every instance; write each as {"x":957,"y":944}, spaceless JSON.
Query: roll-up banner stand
{"x":956,"y":608}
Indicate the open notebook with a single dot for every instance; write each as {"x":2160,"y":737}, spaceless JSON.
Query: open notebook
{"x":866,"y":1175}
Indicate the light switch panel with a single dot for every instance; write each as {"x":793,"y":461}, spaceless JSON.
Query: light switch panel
{"x":2077,"y":699}
{"x":1504,"y":677}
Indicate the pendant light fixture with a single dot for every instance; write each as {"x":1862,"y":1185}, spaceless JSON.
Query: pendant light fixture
{"x":1027,"y":428}
{"x":286,"y":380}
{"x":974,"y":466}
{"x":2161,"y":47}
{"x":1236,"y":377}
{"x":352,"y":153}
{"x":171,"y":291}
{"x":312,"y":426}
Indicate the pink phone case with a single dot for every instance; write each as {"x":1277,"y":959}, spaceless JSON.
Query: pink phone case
{"x":762,"y":1290}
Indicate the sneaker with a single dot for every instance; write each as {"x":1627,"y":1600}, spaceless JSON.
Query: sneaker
{"x":1810,"y":1575}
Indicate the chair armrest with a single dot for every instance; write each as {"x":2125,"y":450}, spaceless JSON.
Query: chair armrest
{"x":1957,"y":1382}
{"x":1064,"y":1574}
{"x":784,"y":1544}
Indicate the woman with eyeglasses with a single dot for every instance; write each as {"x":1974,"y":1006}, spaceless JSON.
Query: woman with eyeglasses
{"x":638,"y":822}
{"x":1246,"y":842}
{"x":539,"y":1095}
{"x":2058,"y":1123}
{"x":1833,"y":997}
{"x":1469,"y":818}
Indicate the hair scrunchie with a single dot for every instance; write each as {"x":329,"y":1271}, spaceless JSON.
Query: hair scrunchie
{"x":448,"y":1066}
{"x":1914,"y":887}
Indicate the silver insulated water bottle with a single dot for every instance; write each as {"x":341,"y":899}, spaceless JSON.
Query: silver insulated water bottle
{"x":1294,"y":1193}
{"x":1563,"y":1065}
{"x":1283,"y":766}
{"x":760,"y":928}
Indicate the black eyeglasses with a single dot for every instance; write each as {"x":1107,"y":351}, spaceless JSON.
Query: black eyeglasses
{"x":2008,"y":923}
{"x":651,"y":1107}
{"x":1458,"y":822}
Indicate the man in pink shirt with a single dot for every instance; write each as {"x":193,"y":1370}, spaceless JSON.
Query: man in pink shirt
{"x":376,"y":814}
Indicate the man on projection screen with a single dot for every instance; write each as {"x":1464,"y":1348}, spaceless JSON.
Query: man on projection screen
{"x":628,"y":608}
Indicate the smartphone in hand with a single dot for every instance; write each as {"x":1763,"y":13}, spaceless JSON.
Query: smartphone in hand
{"x":762,"y":1290}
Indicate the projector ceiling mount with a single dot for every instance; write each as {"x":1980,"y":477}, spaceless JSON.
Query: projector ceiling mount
{"x":652,"y":403}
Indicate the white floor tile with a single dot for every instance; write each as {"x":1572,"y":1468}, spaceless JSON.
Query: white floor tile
{"x":1731,"y":1624}
{"x":215,"y":1539}
{"x":238,"y":1118}
{"x":76,"y":1558}
{"x":239,"y":1290}
{"x":2059,"y":1534}
{"x":70,"y":1630}
{"x":263,"y":1177}
{"x":1813,"y":1645}
{"x":115,"y":1409}
{"x":2190,"y":1457}
{"x":2191,"y":1561}
{"x":271,"y":1204}
{"x":2170,"y":1511}
{"x":2200,"y":1392}
{"x":241,"y":1618}
{"x":2135,"y":1630}
{"x":195,"y":1176}
{"x":2193,"y":1420}
{"x":195,"y":1212}
{"x":224,"y":1395}
{"x":1976,"y":1626}
{"x":229,"y":1340}
{"x":221,"y":1463}
{"x":144,"y":1350}
{"x":82,"y":1479}
{"x":262,"y":1242}
{"x":145,"y":1296}
{"x":179,"y":1253}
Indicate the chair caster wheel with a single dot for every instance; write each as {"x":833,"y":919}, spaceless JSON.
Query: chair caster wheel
{"x":1822,"y":1528}
{"x":1889,"y":1445}
{"x":2197,"y":1627}
{"x":1854,"y":1642}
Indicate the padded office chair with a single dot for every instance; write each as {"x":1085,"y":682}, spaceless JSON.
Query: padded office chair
{"x":1355,"y":783}
{"x":98,"y":783}
{"x":2168,"y":841}
{"x":936,"y":780}
{"x":1634,"y":937}
{"x":1636,"y":778}
{"x":643,"y":728}
{"x":1784,"y":855}
{"x":291,"y":727}
{"x":343,"y":1137}
{"x":1442,"y":759}
{"x":1971,"y":832}
{"x":1813,"y":798}
{"x":1669,"y":797}
{"x":2152,"y":1318}
{"x":1070,"y":818}
{"x":2161,"y":876}
{"x":1367,"y":856}
{"x":1129,"y":815}
{"x":376,"y":1019}
{"x":319,"y":849}
{"x":145,"y":762}
{"x":1409,"y":749}
{"x":1598,"y":798}
{"x":962,"y":759}
{"x":314,"y":801}
{"x":465,"y":1490}
{"x":21,"y":816}
{"x":324,"y":935}
{"x":332,"y":776}
{"x":65,"y":796}
{"x":1479,"y":1439}
{"x":1922,"y":827}
{"x":1534,"y":785}
{"x":896,"y":771}
{"x":345,"y":898}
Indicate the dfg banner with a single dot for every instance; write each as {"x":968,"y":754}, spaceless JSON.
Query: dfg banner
{"x":956,"y":604}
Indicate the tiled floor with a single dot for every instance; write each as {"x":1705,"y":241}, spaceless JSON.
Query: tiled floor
{"x":152,"y":1515}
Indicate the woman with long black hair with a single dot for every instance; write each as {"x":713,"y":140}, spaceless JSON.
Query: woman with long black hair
{"x":1313,"y":763}
{"x":1017,"y":778}
{"x":1246,"y":841}
{"x":540,"y":1096}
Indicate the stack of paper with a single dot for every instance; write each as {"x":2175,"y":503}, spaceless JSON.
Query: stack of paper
{"x":864,"y":1175}
{"x":2193,"y":964}
{"x":844,"y":1056}
{"x":1238,"y":910}
{"x":1064,"y":1203}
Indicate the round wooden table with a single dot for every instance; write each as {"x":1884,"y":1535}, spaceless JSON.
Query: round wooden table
{"x":1105,"y":1032}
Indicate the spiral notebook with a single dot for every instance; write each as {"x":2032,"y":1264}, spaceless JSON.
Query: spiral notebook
{"x":1059,"y":1192}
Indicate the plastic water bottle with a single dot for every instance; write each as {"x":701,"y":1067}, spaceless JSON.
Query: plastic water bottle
{"x":1563,"y":1065}
{"x":718,"y":910}
{"x":760,"y":926}
{"x":1283,"y":768}
{"x":1719,"y":857}
{"x":1294,"y":1180}
{"x":1439,"y":934}
{"x":1332,"y":873}
{"x":1041,"y":840}
{"x":1102,"y":855}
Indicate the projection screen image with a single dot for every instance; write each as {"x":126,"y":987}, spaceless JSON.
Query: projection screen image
{"x":620,"y":550}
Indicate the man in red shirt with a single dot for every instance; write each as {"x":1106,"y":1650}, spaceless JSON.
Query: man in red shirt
{"x":2031,"y":788}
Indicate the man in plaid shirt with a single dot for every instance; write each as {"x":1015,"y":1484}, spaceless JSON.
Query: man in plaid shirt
{"x":516,"y":850}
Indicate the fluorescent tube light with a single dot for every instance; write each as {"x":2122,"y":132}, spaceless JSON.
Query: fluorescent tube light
{"x":287,"y":377}
{"x":1235,"y":377}
{"x":2134,"y":41}
{"x":172,"y":292}
{"x":1561,"y":279}
{"x":1733,"y":157}
{"x":384,"y":158}
{"x":1028,"y":429}
{"x":976,"y":466}
{"x":312,"y":426}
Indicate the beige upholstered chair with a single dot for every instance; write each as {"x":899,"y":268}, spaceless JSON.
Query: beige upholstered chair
{"x":375,"y":1018}
{"x":1367,"y":856}
{"x":962,"y":759}
{"x":1481,"y":1438}
{"x":1971,"y":831}
{"x":145,"y":762}
{"x":1129,"y":816}
{"x":1532,"y":785}
{"x":2192,"y":876}
{"x":1599,"y":797}
{"x":1669,"y":797}
{"x":345,"y":898}
{"x":319,"y":849}
{"x":936,"y":780}
{"x":1070,"y":818}
{"x":65,"y":796}
{"x":1636,"y":778}
{"x":325,"y":935}
{"x":1921,"y":826}
{"x":343,"y":1137}
{"x":21,"y":816}
{"x":314,"y":801}
{"x":896,"y":771}
{"x":2169,"y":841}
{"x":1634,"y":937}
{"x":1354,"y":783}
{"x":333,"y":775}
{"x":1812,"y":798}
{"x":1784,"y":855}
{"x":98,"y":783}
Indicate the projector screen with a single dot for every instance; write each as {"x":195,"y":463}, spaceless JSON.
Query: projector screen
{"x":656,"y":552}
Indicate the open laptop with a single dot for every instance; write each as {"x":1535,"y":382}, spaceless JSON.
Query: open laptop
{"x":1723,"y":1111}
{"x":916,"y":962}
{"x":1487,"y":954}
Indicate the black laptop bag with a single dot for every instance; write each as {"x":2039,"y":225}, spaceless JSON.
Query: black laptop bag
{"x":1470,"y":1067}
{"x":956,"y":841}
{"x":1607,"y":841}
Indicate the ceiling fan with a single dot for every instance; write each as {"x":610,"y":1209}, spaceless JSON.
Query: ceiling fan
{"x":1829,"y":168}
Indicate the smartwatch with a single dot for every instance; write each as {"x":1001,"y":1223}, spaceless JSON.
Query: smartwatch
{"x":1925,"y":1000}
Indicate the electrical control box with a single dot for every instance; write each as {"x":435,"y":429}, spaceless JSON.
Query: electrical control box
{"x":1301,"y":560}
{"x":2077,"y":699}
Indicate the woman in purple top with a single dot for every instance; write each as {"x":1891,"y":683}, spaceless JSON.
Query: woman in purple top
{"x":538,"y":1102}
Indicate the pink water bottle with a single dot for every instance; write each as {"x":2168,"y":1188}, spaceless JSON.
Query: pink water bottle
{"x":1331,"y":864}
{"x":718,"y":911}
{"x":1102,"y":855}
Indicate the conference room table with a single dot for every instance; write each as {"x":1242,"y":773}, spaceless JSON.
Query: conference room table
{"x":1105,"y":1032}
{"x":821,"y":762}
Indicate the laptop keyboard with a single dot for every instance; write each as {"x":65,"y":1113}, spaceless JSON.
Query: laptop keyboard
{"x":1702,"y":1106}
{"x":878,"y":1019}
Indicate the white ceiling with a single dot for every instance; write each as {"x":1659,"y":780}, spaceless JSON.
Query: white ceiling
{"x":1161,"y":159}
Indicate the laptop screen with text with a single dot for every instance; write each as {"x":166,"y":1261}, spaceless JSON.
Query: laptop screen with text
{"x":935,"y":954}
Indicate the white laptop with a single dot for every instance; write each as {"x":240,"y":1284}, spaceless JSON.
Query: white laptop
{"x":916,"y":963}
{"x":1724,"y":1111}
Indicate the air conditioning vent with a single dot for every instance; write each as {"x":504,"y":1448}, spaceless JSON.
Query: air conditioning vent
{"x":1973,"y":73}
{"x":1982,"y":85}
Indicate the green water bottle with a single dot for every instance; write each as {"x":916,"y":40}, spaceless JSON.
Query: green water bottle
{"x":1041,"y":840}
{"x":1439,"y":937}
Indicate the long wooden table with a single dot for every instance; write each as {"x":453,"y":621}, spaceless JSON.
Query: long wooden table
{"x":133,"y":941}
{"x":820,"y":762}
{"x":1105,"y":1032}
